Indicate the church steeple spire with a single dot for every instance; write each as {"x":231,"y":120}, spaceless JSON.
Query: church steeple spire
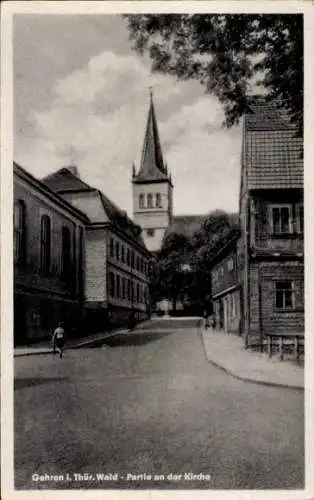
{"x":152,"y":165}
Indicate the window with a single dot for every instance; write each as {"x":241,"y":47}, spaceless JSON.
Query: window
{"x":66,"y":252}
{"x":125,"y":288}
{"x":111,"y":284}
{"x":122,"y":254}
{"x":137,"y":292}
{"x":281,"y":220}
{"x":158,"y":200}
{"x":300,"y":217}
{"x":45,"y":244}
{"x":230,"y":265}
{"x":117,"y":251}
{"x":150,"y":232}
{"x":141,"y":201}
{"x":111,"y":248}
{"x":138,"y":263}
{"x":132,"y":259}
{"x":118,"y":286}
{"x":129,"y":289}
{"x":81,"y":261}
{"x":149,"y":200}
{"x":284,"y":295}
{"x":128,"y":260}
{"x":19,"y":232}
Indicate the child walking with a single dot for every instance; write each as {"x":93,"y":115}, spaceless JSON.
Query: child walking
{"x":58,"y":339}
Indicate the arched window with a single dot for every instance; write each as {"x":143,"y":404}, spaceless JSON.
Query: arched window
{"x":158,"y":200}
{"x":150,"y":200}
{"x":141,"y":200}
{"x":45,"y":244}
{"x":66,"y":252}
{"x":20,"y":232}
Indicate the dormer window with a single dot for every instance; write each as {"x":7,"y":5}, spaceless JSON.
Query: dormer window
{"x":149,"y":200}
{"x":141,"y":200}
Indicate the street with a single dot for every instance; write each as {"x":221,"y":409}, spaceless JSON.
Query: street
{"x":149,"y":404}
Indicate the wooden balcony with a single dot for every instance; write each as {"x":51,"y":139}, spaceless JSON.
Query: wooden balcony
{"x":291,"y":243}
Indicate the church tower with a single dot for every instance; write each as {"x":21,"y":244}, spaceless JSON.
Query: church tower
{"x":152,"y":187}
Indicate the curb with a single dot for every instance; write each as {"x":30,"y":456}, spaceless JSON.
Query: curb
{"x":84,"y":343}
{"x":266,"y":383}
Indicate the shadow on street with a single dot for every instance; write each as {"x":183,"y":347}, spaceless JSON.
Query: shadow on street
{"x":136,"y":338}
{"x":21,"y":383}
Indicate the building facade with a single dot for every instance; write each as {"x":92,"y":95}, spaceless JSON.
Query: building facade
{"x":49,"y":236}
{"x":152,"y":188}
{"x":116,"y":259}
{"x":271,"y":250}
{"x":226,"y":290}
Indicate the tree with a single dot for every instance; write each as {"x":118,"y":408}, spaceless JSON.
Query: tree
{"x":215,"y":231}
{"x":171,"y":280}
{"x":167,"y":279}
{"x":227,"y":53}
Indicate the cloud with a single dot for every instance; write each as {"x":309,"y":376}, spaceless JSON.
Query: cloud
{"x":98,"y":119}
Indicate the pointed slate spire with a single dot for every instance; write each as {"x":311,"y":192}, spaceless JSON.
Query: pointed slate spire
{"x":152,"y":165}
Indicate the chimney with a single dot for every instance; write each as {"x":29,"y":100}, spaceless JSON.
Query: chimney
{"x":73,"y":169}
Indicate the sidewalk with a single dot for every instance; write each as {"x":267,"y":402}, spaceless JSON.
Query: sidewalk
{"x":227,"y":351}
{"x":46,"y":347}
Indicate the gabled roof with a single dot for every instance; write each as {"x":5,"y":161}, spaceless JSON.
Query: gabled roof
{"x":64,"y":179}
{"x":152,"y":166}
{"x":65,"y":182}
{"x":272,"y":156}
{"x":50,"y":193}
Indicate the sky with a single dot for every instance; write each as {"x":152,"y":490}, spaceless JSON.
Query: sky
{"x":81,"y":96}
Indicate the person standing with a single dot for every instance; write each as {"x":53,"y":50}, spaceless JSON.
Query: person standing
{"x":206,"y":319}
{"x":58,"y":339}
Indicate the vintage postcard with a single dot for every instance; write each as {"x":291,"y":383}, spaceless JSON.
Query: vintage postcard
{"x":156,"y":262}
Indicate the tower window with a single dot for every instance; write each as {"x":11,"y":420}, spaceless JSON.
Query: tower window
{"x":158,"y":200}
{"x":141,"y":199}
{"x":150,"y":200}
{"x":150,"y":232}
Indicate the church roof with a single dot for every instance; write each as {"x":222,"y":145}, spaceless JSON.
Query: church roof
{"x":65,"y":182}
{"x":152,"y":167}
{"x":185,"y":225}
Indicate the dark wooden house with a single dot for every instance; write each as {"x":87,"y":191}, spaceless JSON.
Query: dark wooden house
{"x":226,"y":291}
{"x":270,"y":250}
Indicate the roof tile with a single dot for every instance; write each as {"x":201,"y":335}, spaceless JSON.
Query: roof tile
{"x":273,"y":151}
